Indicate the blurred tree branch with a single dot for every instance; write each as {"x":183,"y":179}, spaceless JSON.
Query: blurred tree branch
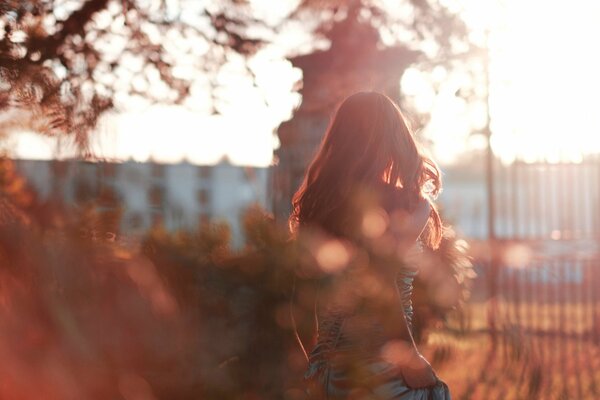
{"x":64,"y":63}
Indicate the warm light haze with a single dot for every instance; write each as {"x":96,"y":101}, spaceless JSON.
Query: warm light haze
{"x":544,"y":86}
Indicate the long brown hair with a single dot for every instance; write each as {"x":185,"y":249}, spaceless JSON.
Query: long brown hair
{"x":368,"y":144}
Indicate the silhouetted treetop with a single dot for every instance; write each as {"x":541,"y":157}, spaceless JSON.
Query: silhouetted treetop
{"x":64,"y":62}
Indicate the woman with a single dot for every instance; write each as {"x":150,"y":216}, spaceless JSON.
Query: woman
{"x":369,"y":186}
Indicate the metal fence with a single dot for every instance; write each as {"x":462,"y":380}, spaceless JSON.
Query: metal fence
{"x":545,"y":201}
{"x":545,"y":277}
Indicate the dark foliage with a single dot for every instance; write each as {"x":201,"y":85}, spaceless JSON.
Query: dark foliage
{"x":63,"y":63}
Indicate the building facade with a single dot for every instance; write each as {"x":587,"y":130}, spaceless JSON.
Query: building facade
{"x":178,"y":196}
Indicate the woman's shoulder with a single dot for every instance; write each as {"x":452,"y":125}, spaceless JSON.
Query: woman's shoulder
{"x":422,"y":207}
{"x":399,"y":199}
{"x":409,"y":221}
{"x":393,"y":198}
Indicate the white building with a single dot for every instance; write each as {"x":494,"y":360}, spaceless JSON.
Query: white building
{"x":181,"y":196}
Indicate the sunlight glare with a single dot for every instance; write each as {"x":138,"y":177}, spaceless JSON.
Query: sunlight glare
{"x":545,"y":82}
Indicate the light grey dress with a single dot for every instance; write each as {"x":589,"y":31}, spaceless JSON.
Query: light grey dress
{"x":368,"y":376}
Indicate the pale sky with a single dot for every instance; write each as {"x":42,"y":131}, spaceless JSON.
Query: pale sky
{"x":544,"y":89}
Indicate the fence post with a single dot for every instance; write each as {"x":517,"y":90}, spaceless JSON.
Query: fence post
{"x":491,"y":208}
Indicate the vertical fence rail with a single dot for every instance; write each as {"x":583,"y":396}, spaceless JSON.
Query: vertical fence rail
{"x":553,"y":212}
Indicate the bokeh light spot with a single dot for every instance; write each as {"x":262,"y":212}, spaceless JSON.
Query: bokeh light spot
{"x":517,"y":256}
{"x":374,"y":223}
{"x":332,"y":256}
{"x":396,"y":352}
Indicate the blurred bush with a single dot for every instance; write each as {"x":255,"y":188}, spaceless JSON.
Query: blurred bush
{"x":86,"y":313}
{"x":443,"y":285}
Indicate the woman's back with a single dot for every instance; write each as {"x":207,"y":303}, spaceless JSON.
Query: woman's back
{"x":354,"y":355}
{"x":365,"y":188}
{"x":352,"y":343}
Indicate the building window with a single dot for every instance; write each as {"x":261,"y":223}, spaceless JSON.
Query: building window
{"x":108,"y":197}
{"x":59,"y":168}
{"x":204,"y":171}
{"x":158,"y":170}
{"x":156,"y":196}
{"x":108,"y":170}
{"x":203,"y":197}
{"x":203,"y":220}
{"x":135,"y":220}
{"x":84,"y":192}
{"x":157,"y":220}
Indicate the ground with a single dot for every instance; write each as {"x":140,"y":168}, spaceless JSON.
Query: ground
{"x":544,"y":364}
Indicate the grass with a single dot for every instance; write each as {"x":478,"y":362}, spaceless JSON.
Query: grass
{"x":531,"y":359}
{"x":573,"y":318}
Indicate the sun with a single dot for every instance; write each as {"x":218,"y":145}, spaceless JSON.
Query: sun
{"x":545,"y":85}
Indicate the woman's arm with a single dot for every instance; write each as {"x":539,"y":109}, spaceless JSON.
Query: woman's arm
{"x":402,"y":350}
{"x":406,"y":227}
